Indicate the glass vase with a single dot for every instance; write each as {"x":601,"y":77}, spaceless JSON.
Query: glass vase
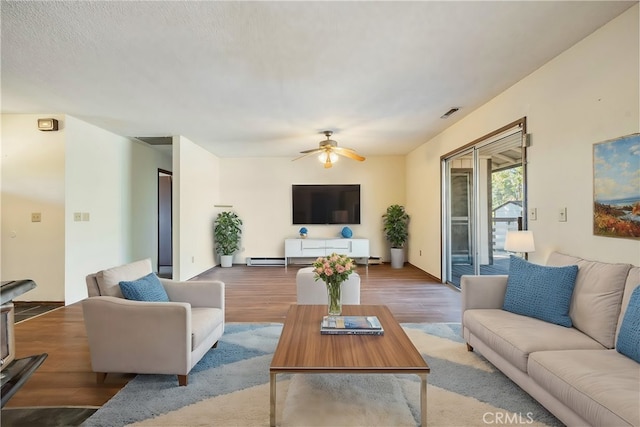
{"x":334,"y":299}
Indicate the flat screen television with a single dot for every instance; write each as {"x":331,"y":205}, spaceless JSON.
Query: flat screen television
{"x":326,"y":204}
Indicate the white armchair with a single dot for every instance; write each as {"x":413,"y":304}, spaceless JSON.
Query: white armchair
{"x":151,"y":337}
{"x":310,"y":291}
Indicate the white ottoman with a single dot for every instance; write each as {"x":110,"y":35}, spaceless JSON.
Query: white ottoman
{"x":315,"y":292}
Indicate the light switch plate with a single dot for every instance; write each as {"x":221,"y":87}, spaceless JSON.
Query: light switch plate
{"x":533,"y":214}
{"x":562,"y":215}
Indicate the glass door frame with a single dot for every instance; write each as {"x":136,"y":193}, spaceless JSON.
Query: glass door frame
{"x":474,"y":148}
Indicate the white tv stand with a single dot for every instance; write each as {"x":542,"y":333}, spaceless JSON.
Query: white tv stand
{"x":313,"y":248}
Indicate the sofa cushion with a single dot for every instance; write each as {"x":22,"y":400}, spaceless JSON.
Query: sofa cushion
{"x":540,"y":291}
{"x":514,"y":336}
{"x":147,"y":288}
{"x":629,"y":337}
{"x":597,"y":296}
{"x":602,"y":386}
{"x":109,"y":280}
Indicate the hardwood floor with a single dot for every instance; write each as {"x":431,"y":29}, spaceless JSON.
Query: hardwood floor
{"x":253,"y":294}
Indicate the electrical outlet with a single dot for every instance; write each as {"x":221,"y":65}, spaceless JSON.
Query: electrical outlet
{"x":36,"y":217}
{"x":533,"y":214}
{"x":77,"y":216}
{"x":562,"y":215}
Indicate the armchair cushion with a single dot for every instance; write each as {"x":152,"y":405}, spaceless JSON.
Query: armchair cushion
{"x":204,"y":321}
{"x":147,"y":288}
{"x":109,"y":280}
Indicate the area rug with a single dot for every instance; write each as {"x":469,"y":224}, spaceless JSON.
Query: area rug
{"x":230,"y":387}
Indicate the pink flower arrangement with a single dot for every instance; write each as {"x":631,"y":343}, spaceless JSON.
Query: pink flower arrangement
{"x":333,"y":269}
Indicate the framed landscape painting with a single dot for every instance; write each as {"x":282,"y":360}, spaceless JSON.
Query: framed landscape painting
{"x":616,"y":187}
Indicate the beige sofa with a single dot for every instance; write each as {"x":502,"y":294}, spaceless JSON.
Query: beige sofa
{"x":575,"y":372}
{"x":141,"y":337}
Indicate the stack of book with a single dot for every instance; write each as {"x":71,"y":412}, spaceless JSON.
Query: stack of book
{"x":351,"y":325}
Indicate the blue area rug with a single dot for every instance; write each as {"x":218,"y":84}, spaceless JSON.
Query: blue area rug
{"x":230,"y":386}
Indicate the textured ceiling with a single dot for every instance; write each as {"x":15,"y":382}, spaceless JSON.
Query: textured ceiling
{"x":264,"y":78}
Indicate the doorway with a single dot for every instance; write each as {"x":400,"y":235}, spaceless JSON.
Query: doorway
{"x":165,"y":224}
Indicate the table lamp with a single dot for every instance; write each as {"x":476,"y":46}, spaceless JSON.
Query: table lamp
{"x":519,"y":241}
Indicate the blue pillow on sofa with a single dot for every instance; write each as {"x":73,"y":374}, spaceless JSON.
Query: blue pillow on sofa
{"x":147,"y":288}
{"x":629,"y":335}
{"x":540,"y":291}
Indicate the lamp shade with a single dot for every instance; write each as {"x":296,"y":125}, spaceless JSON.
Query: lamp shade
{"x":519,"y":241}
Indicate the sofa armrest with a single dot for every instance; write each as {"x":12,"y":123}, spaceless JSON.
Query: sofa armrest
{"x":197,"y":293}
{"x":483,"y":291}
{"x":123,"y":335}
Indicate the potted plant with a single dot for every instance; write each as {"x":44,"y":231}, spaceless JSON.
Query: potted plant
{"x":226,"y":232}
{"x":396,"y":229}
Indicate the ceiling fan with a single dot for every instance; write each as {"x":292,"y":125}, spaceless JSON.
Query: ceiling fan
{"x":329,"y":151}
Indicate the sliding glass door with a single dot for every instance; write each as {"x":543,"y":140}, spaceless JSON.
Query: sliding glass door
{"x":483,"y":198}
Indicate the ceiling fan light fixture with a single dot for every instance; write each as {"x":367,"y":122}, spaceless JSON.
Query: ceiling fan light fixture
{"x":328,"y":152}
{"x":333,"y":157}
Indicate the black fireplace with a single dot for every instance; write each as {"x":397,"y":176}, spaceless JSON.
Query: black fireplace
{"x":13,"y":372}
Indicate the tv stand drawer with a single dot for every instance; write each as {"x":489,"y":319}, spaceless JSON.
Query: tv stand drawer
{"x":311,"y":244}
{"x":307,"y":248}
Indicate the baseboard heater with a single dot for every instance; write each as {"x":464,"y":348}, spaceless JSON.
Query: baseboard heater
{"x":263,"y":261}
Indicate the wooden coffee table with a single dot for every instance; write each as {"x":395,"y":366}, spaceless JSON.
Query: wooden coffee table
{"x":302,"y":349}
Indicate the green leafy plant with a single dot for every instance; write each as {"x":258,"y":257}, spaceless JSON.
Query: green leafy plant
{"x":396,"y":225}
{"x":227,"y":232}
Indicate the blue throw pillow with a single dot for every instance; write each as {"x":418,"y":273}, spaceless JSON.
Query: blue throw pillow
{"x":629,"y":336}
{"x":540,"y":291}
{"x":147,"y":288}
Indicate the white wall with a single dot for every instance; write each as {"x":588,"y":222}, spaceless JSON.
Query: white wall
{"x":588,"y":94}
{"x":33,"y":180}
{"x":98,"y":173}
{"x":196,"y":183}
{"x":260,"y":191}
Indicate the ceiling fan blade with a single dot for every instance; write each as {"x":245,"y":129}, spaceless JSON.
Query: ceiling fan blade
{"x":330,"y":146}
{"x":349,"y":153}
{"x":307,"y":153}
{"x":313,"y":150}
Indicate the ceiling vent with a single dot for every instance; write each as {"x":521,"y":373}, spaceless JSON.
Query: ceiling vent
{"x":449,"y":113}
